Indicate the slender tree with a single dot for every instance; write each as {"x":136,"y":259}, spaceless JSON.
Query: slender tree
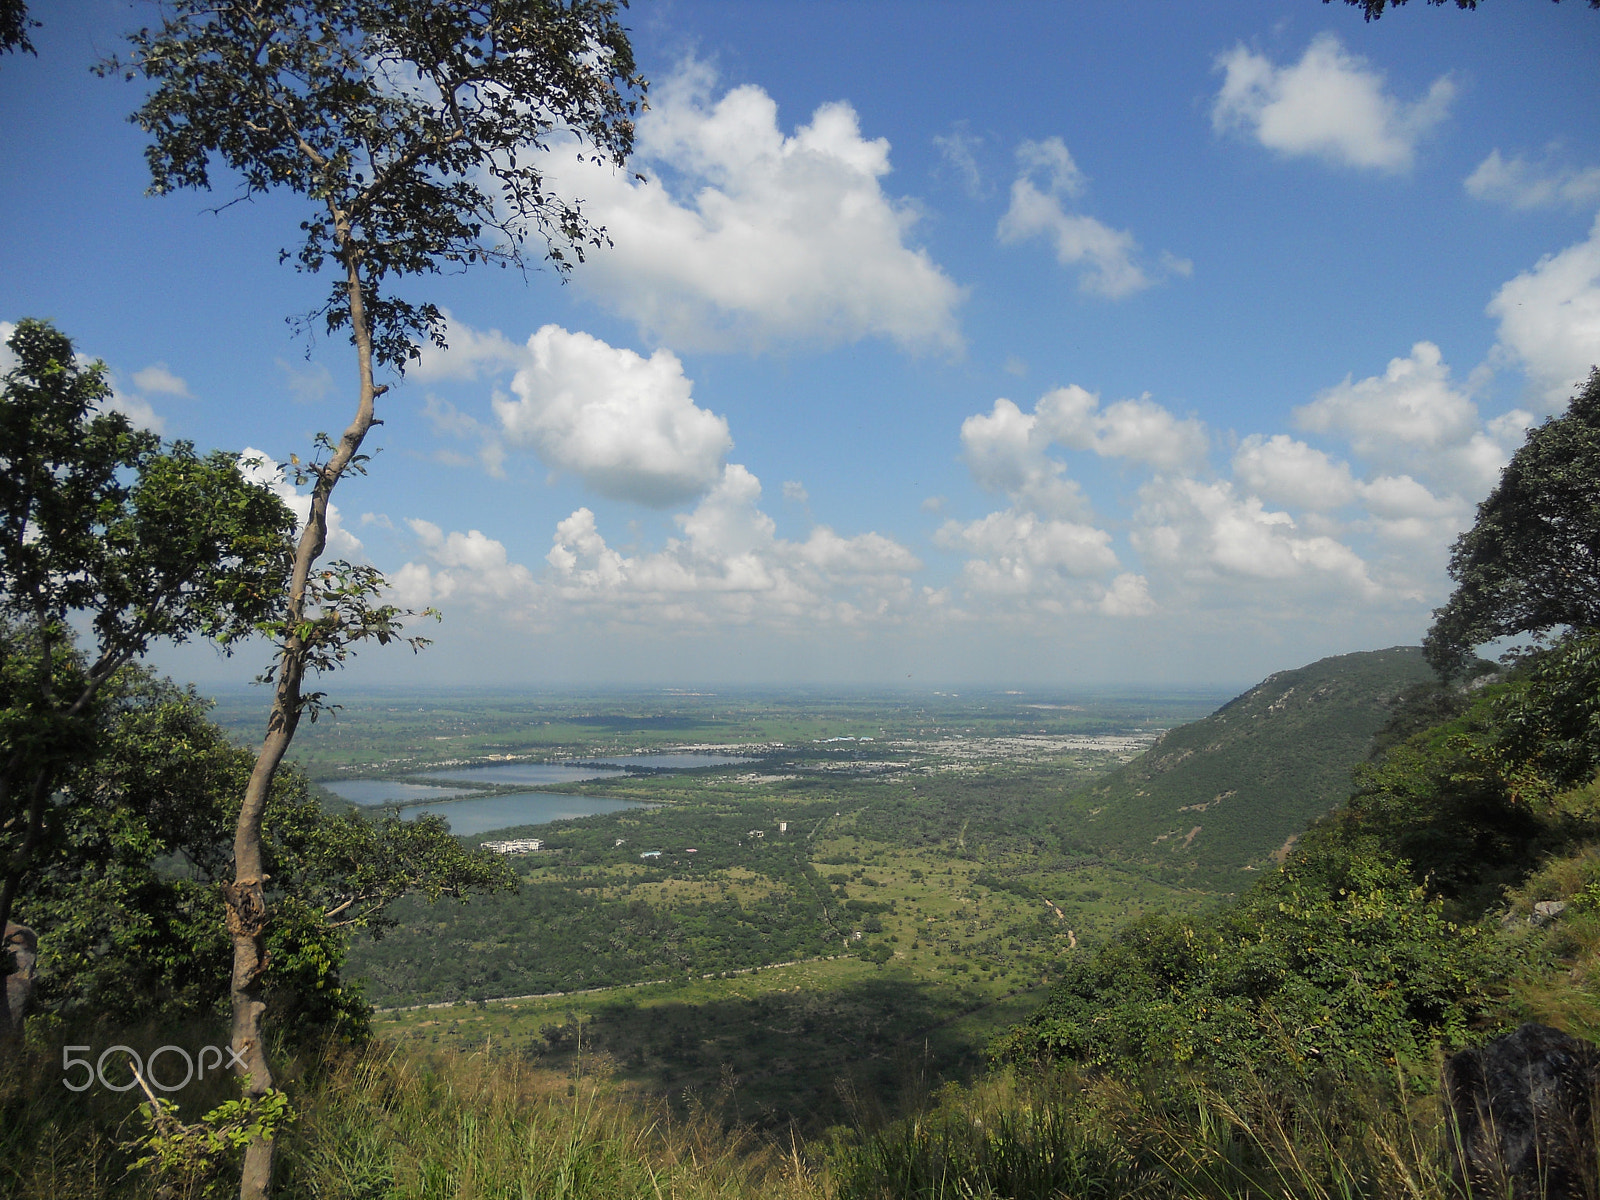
{"x":413,"y":130}
{"x":100,"y":524}
{"x":129,"y":885}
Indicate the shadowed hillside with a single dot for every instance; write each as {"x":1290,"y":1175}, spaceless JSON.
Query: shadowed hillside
{"x":1215,"y":800}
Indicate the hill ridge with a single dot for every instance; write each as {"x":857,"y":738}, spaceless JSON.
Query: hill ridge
{"x":1220,"y":797}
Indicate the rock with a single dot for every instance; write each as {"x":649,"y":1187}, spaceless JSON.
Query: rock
{"x":22,"y":948}
{"x":1522,"y":1109}
{"x":1548,"y":910}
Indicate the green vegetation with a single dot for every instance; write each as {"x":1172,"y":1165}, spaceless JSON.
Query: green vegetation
{"x":1232,"y":792}
{"x":936,"y":959}
{"x":126,"y":896}
{"x":396,"y":182}
{"x":1531,"y":561}
{"x":1142,"y":1039}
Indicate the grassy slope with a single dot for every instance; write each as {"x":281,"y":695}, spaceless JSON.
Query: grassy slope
{"x":1218,"y":797}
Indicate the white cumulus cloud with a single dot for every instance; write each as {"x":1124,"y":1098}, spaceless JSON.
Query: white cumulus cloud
{"x":746,"y":237}
{"x":1043,"y":554}
{"x":468,"y":353}
{"x":1006,"y":449}
{"x":1200,"y":530}
{"x":626,"y":425}
{"x":466,"y":566}
{"x":263,"y":471}
{"x":1288,"y":471}
{"x":1331,"y":104}
{"x":1022,"y":552}
{"x":731,"y":565}
{"x":1550,"y":319}
{"x":158,"y":378}
{"x":1107,"y":257}
{"x":1139,"y":430}
{"x":727,"y":567}
{"x":1518,"y":183}
{"x":1411,"y":406}
{"x":136,"y":408}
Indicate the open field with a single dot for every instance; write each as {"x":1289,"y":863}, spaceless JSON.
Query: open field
{"x":806,"y":1046}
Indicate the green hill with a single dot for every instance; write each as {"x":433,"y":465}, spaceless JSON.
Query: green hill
{"x":1224,"y":795}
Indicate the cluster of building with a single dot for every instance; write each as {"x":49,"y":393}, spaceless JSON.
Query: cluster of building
{"x":515,"y":846}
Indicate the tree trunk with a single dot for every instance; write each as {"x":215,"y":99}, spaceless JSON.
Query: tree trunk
{"x":246,"y":895}
{"x":10,"y":1018}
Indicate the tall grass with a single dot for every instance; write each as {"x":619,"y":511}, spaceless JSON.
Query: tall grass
{"x":384,"y":1123}
{"x":1063,"y":1136}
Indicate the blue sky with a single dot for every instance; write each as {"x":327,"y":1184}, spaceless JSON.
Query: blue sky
{"x":1030,"y":344}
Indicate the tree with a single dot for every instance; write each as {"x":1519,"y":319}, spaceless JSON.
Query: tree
{"x":14,"y":26}
{"x":412,"y":128}
{"x":1373,"y":9}
{"x":100,"y":524}
{"x":130,"y":883}
{"x":1531,"y":561}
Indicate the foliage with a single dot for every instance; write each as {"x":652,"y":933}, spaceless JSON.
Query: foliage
{"x":101,"y":525}
{"x":573,"y":924}
{"x":1531,"y":561}
{"x":1034,"y":1144}
{"x":1340,"y":964}
{"x":1064,"y":1134}
{"x":1225,"y":792}
{"x":128,"y":891}
{"x":97,"y":518}
{"x":1550,"y":722}
{"x":1474,"y":803}
{"x":1373,"y":9}
{"x":14,"y":26}
{"x":413,"y":128}
{"x":187,"y":1160}
{"x":1360,"y":949}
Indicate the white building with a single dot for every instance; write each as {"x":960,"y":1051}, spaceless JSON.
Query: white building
{"x":515,"y":846}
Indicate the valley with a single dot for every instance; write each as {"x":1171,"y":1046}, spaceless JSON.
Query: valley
{"x":855,"y":908}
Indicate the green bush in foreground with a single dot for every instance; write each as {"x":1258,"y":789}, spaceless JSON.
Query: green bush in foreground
{"x":1332,"y":963}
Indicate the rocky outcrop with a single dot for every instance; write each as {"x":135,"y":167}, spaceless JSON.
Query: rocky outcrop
{"x":1523,"y":1110}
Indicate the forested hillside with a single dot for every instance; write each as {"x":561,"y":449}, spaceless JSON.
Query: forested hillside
{"x":1228,"y":794}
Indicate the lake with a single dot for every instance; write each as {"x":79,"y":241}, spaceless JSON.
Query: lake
{"x":548,"y":773}
{"x":514,"y":773}
{"x":468,"y":817}
{"x":384,"y":791}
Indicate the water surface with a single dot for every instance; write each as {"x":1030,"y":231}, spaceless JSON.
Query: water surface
{"x":518,"y":773}
{"x":384,"y":791}
{"x":468,"y":817}
{"x":592,"y":768}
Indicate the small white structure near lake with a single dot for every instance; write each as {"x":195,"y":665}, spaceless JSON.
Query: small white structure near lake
{"x":515,"y":846}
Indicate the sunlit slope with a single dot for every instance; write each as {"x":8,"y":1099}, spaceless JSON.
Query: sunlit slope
{"x":1214,"y":800}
